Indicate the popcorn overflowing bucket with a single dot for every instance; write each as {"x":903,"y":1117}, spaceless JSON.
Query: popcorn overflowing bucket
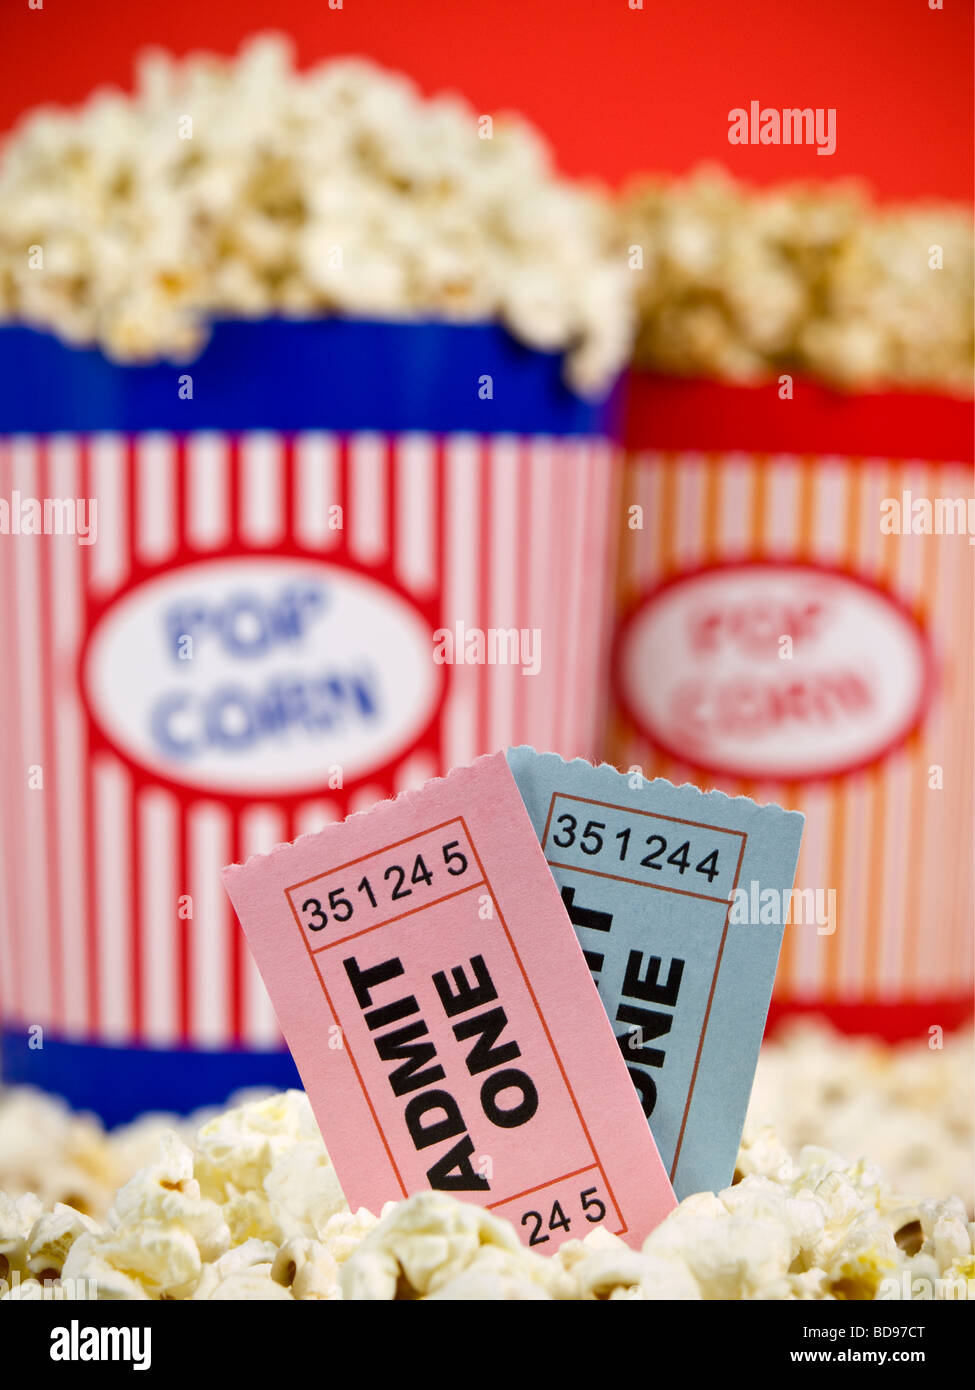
{"x":243,"y":598}
{"x":794,"y":603}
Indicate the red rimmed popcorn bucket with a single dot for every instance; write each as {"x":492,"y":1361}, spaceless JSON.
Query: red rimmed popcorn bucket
{"x":244,"y":598}
{"x":794,"y":624}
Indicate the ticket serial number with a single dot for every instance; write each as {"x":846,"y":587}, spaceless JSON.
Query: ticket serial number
{"x":413,"y":874}
{"x":617,"y":841}
{"x":591,"y":1209}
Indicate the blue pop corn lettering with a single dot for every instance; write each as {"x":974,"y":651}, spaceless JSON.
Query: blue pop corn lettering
{"x":235,"y":718}
{"x":235,"y":715}
{"x":246,"y":624}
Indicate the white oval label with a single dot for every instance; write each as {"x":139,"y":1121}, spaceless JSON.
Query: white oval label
{"x":261,"y":675}
{"x":772,"y":669}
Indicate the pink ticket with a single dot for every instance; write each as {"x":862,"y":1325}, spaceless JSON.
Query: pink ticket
{"x":442,"y":1016}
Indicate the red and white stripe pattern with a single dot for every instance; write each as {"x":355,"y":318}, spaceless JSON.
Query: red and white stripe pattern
{"x":116,"y":926}
{"x":896,"y":851}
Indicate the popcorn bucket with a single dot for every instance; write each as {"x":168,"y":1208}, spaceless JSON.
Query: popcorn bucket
{"x":325,"y":561}
{"x":794,"y":600}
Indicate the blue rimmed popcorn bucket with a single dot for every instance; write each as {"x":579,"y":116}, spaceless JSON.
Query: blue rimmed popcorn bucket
{"x":244,"y":597}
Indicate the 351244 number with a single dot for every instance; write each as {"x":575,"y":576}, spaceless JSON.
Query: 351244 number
{"x":591,"y":841}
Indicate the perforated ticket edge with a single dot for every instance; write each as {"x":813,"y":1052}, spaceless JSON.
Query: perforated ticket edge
{"x":611,"y":785}
{"x":632,"y":1169}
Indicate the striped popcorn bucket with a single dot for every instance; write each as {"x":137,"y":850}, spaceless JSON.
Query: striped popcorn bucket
{"x":243,"y":598}
{"x":794,"y":600}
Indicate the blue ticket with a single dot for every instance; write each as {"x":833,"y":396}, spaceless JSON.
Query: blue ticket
{"x":679,"y":899}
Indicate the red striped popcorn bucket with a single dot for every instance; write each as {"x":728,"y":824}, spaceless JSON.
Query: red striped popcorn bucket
{"x":795,"y":614}
{"x":296,"y":597}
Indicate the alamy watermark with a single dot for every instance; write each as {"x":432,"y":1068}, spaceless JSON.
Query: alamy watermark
{"x":49,"y":516}
{"x":757,"y":906}
{"x":492,"y":646}
{"x":908,"y":515}
{"x":49,"y":1290}
{"x":919,"y":1288}
{"x":77,"y":1343}
{"x":792,"y":125}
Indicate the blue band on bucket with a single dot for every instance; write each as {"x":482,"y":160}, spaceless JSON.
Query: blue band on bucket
{"x":283,"y":374}
{"x":118,"y":1083}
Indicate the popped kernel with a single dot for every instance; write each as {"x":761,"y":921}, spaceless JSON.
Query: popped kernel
{"x":912,"y":1108}
{"x":52,"y":1236}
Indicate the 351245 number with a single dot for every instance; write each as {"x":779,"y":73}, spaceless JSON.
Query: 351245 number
{"x":316,"y":915}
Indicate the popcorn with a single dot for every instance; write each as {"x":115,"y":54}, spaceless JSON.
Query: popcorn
{"x":17,"y":1217}
{"x":266,"y":1164}
{"x":85,"y":1261}
{"x":60,"y":1156}
{"x":242,"y":187}
{"x":912,"y":1108}
{"x":948,"y":1236}
{"x":346,"y":1230}
{"x":160,"y":1231}
{"x":52,"y":1236}
{"x":604,"y":1266}
{"x":253,"y":1283}
{"x":741,"y":283}
{"x":814,"y":1226}
{"x":434,"y":1246}
{"x":307,"y":1268}
{"x":249,"y":1208}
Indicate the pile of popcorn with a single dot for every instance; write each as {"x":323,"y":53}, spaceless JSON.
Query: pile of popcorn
{"x":253,"y":1209}
{"x":246,"y":1204}
{"x":230,"y":187}
{"x":242,"y":187}
{"x":911,"y":1107}
{"x":742,"y":283}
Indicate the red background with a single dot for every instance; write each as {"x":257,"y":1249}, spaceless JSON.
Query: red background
{"x":616,"y":90}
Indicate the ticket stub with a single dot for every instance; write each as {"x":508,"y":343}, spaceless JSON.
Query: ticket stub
{"x":443,"y":1018}
{"x":678,"y":898}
